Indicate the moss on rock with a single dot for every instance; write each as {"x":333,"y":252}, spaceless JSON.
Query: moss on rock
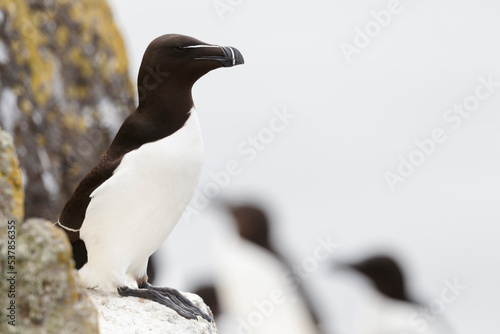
{"x":48,"y":296}
{"x":11,"y":188}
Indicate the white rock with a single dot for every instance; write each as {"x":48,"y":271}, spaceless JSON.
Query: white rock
{"x":131,"y":315}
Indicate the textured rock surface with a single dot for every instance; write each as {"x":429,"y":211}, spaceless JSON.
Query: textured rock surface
{"x":64,"y":91}
{"x":129,"y":315}
{"x":48,"y":296}
{"x":11,"y":189}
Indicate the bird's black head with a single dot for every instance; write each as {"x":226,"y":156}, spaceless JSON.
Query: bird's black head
{"x":384,"y":273}
{"x":176,"y":61}
{"x":252,"y":224}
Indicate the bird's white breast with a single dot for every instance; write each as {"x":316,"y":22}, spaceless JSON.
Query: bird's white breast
{"x":248,"y":279}
{"x":134,"y":211}
{"x":384,"y":315}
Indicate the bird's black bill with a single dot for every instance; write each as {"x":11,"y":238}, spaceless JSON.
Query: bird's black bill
{"x":232,"y":57}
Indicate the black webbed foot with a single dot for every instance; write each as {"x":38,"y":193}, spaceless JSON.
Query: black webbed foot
{"x":171,"y":298}
{"x":177,"y":298}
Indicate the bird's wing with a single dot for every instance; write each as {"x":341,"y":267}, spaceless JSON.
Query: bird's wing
{"x":73,"y":213}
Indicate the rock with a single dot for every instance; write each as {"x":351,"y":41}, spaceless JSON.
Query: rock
{"x":64,"y":91}
{"x":11,"y":188}
{"x":130,"y":315}
{"x":48,"y":296}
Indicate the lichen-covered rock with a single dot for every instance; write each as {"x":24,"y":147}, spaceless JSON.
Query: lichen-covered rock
{"x":130,"y":315}
{"x":64,"y":91}
{"x":11,"y":188}
{"x":48,"y":297}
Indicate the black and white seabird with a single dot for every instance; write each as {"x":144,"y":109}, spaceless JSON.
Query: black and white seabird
{"x":127,"y":205}
{"x":249,"y":274}
{"x":390,"y":309}
{"x":253,"y":225}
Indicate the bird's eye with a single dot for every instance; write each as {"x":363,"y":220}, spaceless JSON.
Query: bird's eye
{"x":179,"y":48}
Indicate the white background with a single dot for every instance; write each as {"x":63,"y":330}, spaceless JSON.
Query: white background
{"x":324,"y":173}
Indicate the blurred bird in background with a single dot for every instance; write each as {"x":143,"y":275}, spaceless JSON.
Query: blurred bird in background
{"x":390,"y":309}
{"x":250,"y":293}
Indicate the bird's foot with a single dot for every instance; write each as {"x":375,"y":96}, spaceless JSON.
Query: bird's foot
{"x":169,"y":297}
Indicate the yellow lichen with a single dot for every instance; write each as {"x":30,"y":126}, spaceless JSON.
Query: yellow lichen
{"x":40,"y":140}
{"x":29,"y":50}
{"x":75,"y":170}
{"x":81,"y":125}
{"x":51,"y":116}
{"x":98,"y":20}
{"x":26,"y":106}
{"x":32,"y":48}
{"x":76,"y":92}
{"x":78,"y":59}
{"x":74,"y":122}
{"x":68,"y":120}
{"x":62,"y":36}
{"x":66,"y":149}
{"x":19,"y":90}
{"x":15,"y":181}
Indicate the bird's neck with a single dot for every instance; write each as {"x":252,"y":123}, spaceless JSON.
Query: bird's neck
{"x":165,"y":100}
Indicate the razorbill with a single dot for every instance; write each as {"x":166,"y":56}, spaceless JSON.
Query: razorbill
{"x":390,"y":309}
{"x":127,"y":205}
{"x":253,"y":225}
{"x":252,"y":285}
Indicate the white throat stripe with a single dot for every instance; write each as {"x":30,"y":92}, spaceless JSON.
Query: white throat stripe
{"x":66,"y":228}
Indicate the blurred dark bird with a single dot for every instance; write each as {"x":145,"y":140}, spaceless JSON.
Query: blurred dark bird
{"x":128,"y":204}
{"x":390,"y":309}
{"x":385,"y":274}
{"x":253,"y":225}
{"x":249,"y":270}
